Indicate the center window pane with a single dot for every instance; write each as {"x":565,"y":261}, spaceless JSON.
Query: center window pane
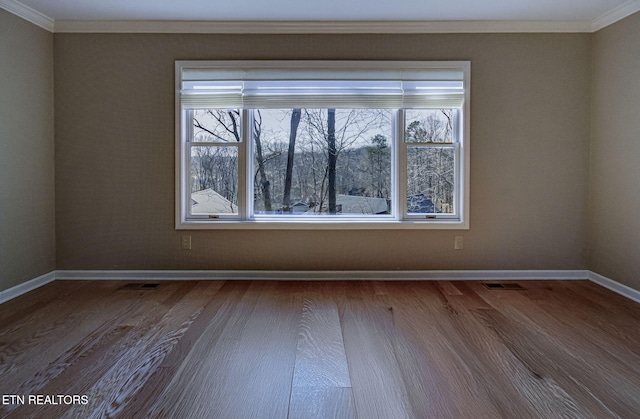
{"x":312,"y":162}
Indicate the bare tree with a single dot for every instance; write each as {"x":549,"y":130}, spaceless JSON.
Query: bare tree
{"x":216,"y":166}
{"x":328,"y":152}
{"x":431,"y":168}
{"x":265,"y":185}
{"x":333,"y":133}
{"x":225,"y":122}
{"x":293,"y":132}
{"x":332,"y":152}
{"x":379,"y":156}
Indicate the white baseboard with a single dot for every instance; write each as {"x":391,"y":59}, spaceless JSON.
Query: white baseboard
{"x":25,"y":287}
{"x":238,"y":275}
{"x":614,"y":286}
{"x":444,"y":275}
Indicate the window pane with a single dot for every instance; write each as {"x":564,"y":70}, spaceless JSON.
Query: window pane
{"x":216,"y":125}
{"x":322,"y":161}
{"x":430,"y":180}
{"x":214,"y":180}
{"x":429,"y":125}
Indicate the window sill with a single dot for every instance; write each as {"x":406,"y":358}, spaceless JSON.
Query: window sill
{"x":322,"y":225}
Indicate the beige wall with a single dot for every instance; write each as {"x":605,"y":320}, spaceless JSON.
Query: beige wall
{"x":114,"y":101}
{"x":542,"y":197}
{"x":615,"y":153}
{"x":27,"y":220}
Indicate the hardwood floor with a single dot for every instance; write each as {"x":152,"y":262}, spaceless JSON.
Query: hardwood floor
{"x":258,"y":349}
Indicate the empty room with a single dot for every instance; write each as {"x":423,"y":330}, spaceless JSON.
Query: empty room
{"x":357,"y":209}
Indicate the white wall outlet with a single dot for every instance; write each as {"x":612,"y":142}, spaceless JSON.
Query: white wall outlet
{"x":186,"y":242}
{"x":458,"y":243}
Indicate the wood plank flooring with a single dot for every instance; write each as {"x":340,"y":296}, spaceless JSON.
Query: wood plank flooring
{"x":280,"y":349}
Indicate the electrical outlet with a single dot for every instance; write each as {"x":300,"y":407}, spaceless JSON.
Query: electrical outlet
{"x":186,"y":242}
{"x":458,"y":243}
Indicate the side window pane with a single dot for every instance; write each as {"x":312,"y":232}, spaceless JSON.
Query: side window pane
{"x":429,"y":125}
{"x":322,"y":161}
{"x":214,"y":180}
{"x":216,"y":125}
{"x":430,"y":179}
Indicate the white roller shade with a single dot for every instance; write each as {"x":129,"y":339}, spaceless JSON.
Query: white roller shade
{"x":320,"y":85}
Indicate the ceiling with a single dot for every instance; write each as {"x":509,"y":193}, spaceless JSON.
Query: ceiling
{"x":552,"y":13}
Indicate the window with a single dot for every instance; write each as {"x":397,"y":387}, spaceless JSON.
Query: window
{"x":322,"y":144}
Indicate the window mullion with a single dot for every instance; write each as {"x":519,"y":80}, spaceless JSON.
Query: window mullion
{"x":245,"y":166}
{"x":457,"y":181}
{"x":401,"y":168}
{"x":186,"y":161}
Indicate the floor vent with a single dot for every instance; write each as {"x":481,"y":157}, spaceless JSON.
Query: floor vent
{"x":507,"y":286}
{"x":140,"y":286}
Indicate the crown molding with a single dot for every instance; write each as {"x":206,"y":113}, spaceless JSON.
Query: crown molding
{"x":615,"y":14}
{"x":28,"y":14}
{"x":317,"y":27}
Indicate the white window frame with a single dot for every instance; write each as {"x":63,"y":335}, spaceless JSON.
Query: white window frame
{"x":399,"y":220}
